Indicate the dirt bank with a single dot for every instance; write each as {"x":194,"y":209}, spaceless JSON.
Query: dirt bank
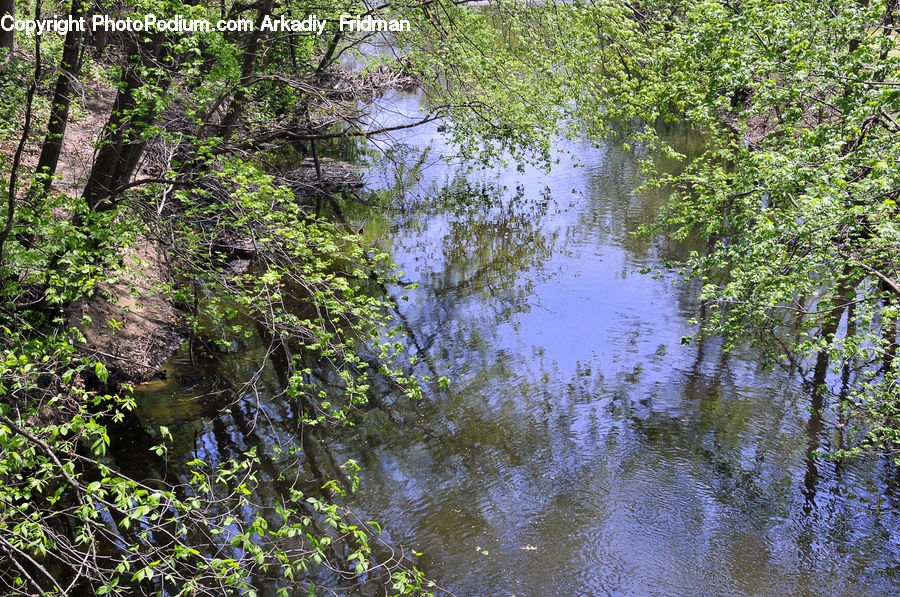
{"x":130,"y":325}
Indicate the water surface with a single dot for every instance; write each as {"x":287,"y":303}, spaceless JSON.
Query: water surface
{"x":582,"y":448}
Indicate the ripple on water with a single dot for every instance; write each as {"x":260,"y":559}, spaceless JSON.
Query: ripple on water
{"x":582,"y":448}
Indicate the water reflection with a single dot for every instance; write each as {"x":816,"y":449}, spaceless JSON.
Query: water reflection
{"x":582,"y":448}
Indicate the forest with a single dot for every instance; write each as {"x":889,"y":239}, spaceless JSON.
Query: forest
{"x":205,"y":192}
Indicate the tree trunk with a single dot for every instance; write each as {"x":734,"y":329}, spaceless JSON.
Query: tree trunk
{"x":122,"y":143}
{"x":26,"y":129}
{"x":889,"y":331}
{"x":99,"y":37}
{"x":7,"y":38}
{"x":845,"y":294}
{"x":247,"y":69}
{"x":69,"y":68}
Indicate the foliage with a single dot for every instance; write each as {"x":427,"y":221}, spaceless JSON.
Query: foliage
{"x":75,"y":515}
{"x":796,"y":194}
{"x":796,"y":198}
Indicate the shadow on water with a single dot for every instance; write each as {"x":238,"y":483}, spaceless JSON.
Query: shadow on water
{"x":582,"y":448}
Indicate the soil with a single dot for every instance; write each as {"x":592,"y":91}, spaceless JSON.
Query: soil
{"x":77,"y":153}
{"x":130,"y":325}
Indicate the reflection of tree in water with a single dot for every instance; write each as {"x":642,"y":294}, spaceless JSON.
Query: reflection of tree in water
{"x":618,"y":210}
{"x":747,"y":445}
{"x":478,"y":259}
{"x":506,"y":452}
{"x":241,"y":405}
{"x":524,"y":451}
{"x":512,"y":418}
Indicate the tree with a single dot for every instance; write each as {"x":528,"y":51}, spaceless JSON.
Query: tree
{"x":69,"y":69}
{"x":132,"y":119}
{"x":7,"y":38}
{"x":74,"y":518}
{"x":796,"y":195}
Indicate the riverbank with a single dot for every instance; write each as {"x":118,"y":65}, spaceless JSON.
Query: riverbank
{"x":130,"y":320}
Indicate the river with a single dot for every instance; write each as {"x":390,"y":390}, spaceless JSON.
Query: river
{"x":584,"y":446}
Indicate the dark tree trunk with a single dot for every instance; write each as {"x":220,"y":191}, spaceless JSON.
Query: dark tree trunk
{"x":248,"y":67}
{"x":99,"y":37}
{"x":7,"y":38}
{"x":122,"y":143}
{"x":889,"y":330}
{"x":69,"y":68}
{"x":26,"y":128}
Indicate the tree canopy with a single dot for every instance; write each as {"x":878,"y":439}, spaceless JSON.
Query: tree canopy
{"x":795,"y":197}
